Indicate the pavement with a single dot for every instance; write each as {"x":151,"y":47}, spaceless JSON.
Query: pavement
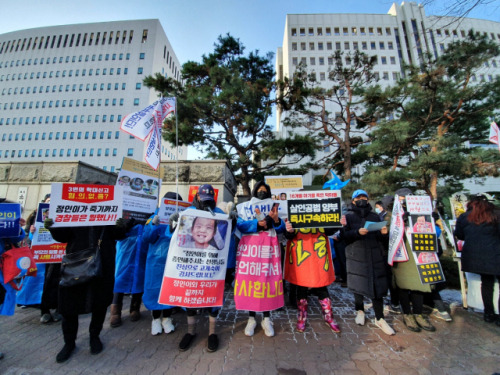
{"x":467,"y":345}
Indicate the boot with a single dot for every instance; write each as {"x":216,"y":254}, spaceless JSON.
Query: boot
{"x":326,"y":306}
{"x":135,"y":307}
{"x":302,"y":315}
{"x":115,"y":319}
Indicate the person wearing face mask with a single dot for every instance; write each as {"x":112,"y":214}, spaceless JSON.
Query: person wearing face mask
{"x":380,"y":210}
{"x":366,"y":258}
{"x":260,"y":224}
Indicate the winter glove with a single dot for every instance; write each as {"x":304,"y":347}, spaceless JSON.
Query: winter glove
{"x":156,"y":220}
{"x":233,"y":215}
{"x":48,"y":222}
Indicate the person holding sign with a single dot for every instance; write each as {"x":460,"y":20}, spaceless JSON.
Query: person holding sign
{"x":308,"y":264}
{"x":406,"y":279}
{"x":479,"y":227}
{"x":203,"y":200}
{"x":93,"y":296}
{"x":259,"y":269}
{"x":366,"y":257}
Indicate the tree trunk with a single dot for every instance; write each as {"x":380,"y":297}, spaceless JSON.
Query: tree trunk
{"x":245,"y":182}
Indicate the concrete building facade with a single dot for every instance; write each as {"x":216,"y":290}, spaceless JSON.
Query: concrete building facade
{"x":402,"y":36}
{"x":65,"y":89}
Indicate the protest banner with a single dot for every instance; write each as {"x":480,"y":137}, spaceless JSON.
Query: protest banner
{"x":315,"y":209}
{"x":258,"y":284}
{"x":418,"y":204}
{"x":45,"y":248}
{"x":397,"y":248}
{"x":10,"y":214}
{"x":141,"y":188}
{"x":196,"y":264}
{"x":313,"y":268}
{"x":79,"y":205}
{"x":281,"y":186}
{"x":169,"y":206}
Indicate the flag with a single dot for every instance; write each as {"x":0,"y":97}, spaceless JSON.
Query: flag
{"x":335,"y":183}
{"x":495,"y":134}
{"x":147,"y":123}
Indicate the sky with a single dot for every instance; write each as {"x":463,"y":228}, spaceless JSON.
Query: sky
{"x":193,"y":26}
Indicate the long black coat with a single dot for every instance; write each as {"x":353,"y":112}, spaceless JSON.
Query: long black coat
{"x":97,"y":294}
{"x":481,"y":251}
{"x":366,"y":255}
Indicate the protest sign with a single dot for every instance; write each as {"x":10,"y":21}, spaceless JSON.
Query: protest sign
{"x":258,"y":285}
{"x":418,"y":204}
{"x":429,"y":267}
{"x":315,"y":209}
{"x":196,"y":264}
{"x":169,"y":206}
{"x":45,"y":248}
{"x":10,"y":213}
{"x":141,"y":187}
{"x":281,"y":186}
{"x":79,"y":205}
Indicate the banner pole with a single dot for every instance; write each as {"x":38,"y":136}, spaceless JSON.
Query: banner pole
{"x":176,"y":157}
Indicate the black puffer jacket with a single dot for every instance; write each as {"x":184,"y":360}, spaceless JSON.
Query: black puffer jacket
{"x":366,"y":255}
{"x":481,"y":251}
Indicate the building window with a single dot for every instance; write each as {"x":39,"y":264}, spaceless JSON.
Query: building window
{"x":140,"y":70}
{"x":138,"y":86}
{"x":142,"y":56}
{"x":130,"y":152}
{"x":136,"y":101}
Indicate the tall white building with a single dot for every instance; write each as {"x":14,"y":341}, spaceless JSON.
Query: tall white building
{"x":65,"y":89}
{"x":402,"y":36}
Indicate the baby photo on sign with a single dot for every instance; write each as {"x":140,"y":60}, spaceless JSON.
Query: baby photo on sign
{"x":421,"y":224}
{"x":202,"y":233}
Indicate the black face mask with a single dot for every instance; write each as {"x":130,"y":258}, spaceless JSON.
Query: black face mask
{"x":262,"y":194}
{"x":361,"y":203}
{"x":207,"y":205}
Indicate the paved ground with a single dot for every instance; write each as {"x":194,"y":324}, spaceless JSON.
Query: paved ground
{"x":466,"y":346}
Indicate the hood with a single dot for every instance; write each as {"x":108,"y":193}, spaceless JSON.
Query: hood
{"x":258,"y":185}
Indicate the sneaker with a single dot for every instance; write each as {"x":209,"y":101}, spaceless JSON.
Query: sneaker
{"x":382,"y":324}
{"x":167,"y":325}
{"x":395,"y":309}
{"x":267,"y":326}
{"x":410,"y":322}
{"x":424,"y":323}
{"x":213,"y":343}
{"x":46,"y":318}
{"x":360,"y":318}
{"x":65,"y":353}
{"x":186,"y":342}
{"x":95,"y":345}
{"x":56,"y":317}
{"x":156,"y":327}
{"x":250,"y":328}
{"x":443,"y":315}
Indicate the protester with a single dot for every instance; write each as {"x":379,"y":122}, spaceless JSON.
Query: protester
{"x":204,"y":200}
{"x":157,"y":236}
{"x":314,"y":273}
{"x":380,"y":210}
{"x":131,"y":254}
{"x":479,"y":228}
{"x":94,"y":296}
{"x":7,"y":293}
{"x":366,"y":258}
{"x":267,"y":225}
{"x":407,"y":280}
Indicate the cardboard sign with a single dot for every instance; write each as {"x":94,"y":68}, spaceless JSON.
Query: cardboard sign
{"x":10,"y":213}
{"x":169,"y":206}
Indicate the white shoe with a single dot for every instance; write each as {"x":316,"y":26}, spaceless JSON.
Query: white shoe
{"x":156,"y":328}
{"x":250,"y":328}
{"x":267,"y":326}
{"x":360,"y":318}
{"x":382,"y":324}
{"x":167,"y":325}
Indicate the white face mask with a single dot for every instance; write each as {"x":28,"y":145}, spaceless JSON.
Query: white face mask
{"x":378,"y":210}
